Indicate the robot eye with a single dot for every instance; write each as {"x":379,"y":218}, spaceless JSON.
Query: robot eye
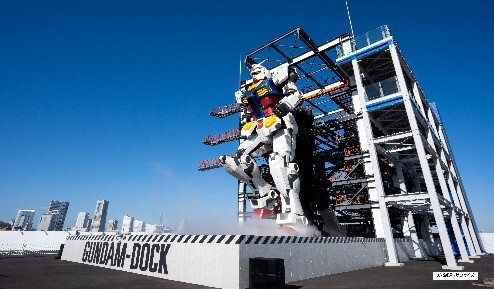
{"x":255,"y":72}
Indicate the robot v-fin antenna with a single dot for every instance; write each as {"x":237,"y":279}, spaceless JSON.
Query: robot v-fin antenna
{"x":249,"y":61}
{"x":240,"y":72}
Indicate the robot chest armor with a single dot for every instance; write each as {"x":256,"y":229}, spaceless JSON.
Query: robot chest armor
{"x":262,"y":97}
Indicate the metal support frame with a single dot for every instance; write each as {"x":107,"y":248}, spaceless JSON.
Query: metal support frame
{"x":403,"y":159}
{"x":409,"y":230}
{"x":242,"y":203}
{"x":365,"y":133}
{"x":458,"y":197}
{"x":425,"y":167}
{"x":428,"y":237}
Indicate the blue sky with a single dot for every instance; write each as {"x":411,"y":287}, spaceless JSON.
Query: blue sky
{"x":110,"y":99}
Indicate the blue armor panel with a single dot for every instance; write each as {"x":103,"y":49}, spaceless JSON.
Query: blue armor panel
{"x":255,"y":92}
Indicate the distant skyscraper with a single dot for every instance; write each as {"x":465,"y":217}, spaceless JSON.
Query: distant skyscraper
{"x":99,"y":219}
{"x":24,"y":220}
{"x":127,"y":224}
{"x":112,"y":225}
{"x":139,"y":226}
{"x":59,"y":210}
{"x":47,"y":222}
{"x":156,"y":229}
{"x":82,"y":221}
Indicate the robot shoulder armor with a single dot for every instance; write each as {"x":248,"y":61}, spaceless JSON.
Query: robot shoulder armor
{"x":280,"y":74}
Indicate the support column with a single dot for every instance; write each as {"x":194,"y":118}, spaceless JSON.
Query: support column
{"x":459,"y":237}
{"x":470,"y":223}
{"x":452,"y":214}
{"x":409,"y":230}
{"x":424,"y":164}
{"x":428,"y":237}
{"x":365,"y":137}
{"x":461,"y":193}
{"x":476,"y":245}
{"x":241,"y":203}
{"x":399,"y":179}
{"x":416,"y":184}
{"x":418,"y":97}
{"x":471,"y":248}
{"x":468,"y":230}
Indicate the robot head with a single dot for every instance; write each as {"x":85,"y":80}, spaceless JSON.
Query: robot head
{"x":259,"y":72}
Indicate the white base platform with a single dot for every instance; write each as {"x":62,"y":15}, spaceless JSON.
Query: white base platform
{"x":222,"y":261}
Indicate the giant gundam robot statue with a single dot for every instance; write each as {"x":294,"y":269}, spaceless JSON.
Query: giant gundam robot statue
{"x":269,"y":129}
{"x":289,"y":133}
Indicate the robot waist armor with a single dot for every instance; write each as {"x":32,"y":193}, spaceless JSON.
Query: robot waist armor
{"x":263,"y":126}
{"x":267,"y":125}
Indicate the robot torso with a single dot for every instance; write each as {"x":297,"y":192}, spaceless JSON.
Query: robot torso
{"x":261,"y":97}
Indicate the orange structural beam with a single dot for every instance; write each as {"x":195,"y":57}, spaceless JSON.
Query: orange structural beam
{"x":327,"y":89}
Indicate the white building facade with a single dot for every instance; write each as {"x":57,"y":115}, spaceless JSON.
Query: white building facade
{"x":24,"y":220}
{"x":81,"y":224}
{"x":47,"y":222}
{"x":59,"y":210}
{"x":99,"y":219}
{"x":127,"y":224}
{"x":139,"y":226}
{"x":111,"y":226}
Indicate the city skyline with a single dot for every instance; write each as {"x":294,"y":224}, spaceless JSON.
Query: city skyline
{"x":82,"y":221}
{"x":111,"y":100}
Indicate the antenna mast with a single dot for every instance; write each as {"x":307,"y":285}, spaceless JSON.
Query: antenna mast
{"x":240,"y":72}
{"x":349,"y":18}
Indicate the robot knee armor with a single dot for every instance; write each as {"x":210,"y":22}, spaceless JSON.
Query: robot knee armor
{"x":222,"y":159}
{"x":245,"y":159}
{"x":293,"y":167}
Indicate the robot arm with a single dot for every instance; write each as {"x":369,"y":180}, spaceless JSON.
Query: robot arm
{"x":286,"y":77}
{"x":245,"y":114}
{"x":289,"y":102}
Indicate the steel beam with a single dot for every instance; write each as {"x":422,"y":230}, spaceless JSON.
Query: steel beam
{"x":409,"y":230}
{"x":365,"y":133}
{"x":424,"y":164}
{"x":393,"y":137}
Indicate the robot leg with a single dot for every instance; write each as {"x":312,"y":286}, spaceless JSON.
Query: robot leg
{"x":234,"y":165}
{"x":285,"y":176}
{"x":244,"y":168}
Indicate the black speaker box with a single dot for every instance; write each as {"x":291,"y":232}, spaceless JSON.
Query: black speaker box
{"x":266,"y":273}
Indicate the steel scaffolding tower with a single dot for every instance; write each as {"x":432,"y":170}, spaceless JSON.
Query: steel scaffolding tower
{"x":378,"y":153}
{"x":409,"y":167}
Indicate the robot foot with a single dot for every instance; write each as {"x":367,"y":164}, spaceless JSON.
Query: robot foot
{"x":291,"y":219}
{"x":263,"y":213}
{"x":299,"y":230}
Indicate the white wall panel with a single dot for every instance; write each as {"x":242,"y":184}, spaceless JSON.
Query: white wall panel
{"x":222,"y":261}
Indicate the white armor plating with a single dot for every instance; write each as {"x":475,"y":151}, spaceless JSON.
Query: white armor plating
{"x":275,"y":136}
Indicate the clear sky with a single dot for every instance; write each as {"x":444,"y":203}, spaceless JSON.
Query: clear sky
{"x":110,"y":99}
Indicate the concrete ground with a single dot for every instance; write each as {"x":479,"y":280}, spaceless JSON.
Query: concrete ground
{"x":413,"y":275}
{"x":47,"y":272}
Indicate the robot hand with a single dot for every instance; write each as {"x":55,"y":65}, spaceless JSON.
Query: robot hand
{"x":239,"y":94}
{"x":281,"y":109}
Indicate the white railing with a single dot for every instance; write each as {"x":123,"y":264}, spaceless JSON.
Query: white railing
{"x":382,"y":88}
{"x":362,"y":41}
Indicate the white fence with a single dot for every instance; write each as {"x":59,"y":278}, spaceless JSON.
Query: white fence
{"x":33,"y":242}
{"x":488,"y":242}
